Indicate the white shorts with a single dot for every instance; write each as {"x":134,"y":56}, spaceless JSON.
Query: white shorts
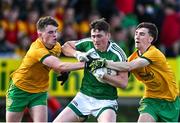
{"x":84,"y":105}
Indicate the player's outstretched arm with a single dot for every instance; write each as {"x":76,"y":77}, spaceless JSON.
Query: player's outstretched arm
{"x":128,"y":66}
{"x":119,"y":66}
{"x":59,"y":66}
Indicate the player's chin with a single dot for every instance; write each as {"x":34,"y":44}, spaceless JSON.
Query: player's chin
{"x":53,"y":42}
{"x":97,"y":47}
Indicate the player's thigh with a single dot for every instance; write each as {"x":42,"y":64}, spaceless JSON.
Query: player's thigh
{"x":14,"y":116}
{"x":36,"y":99}
{"x":161,"y":110}
{"x":145,"y":117}
{"x":80,"y":105}
{"x":108,"y":115}
{"x":169,"y":110}
{"x":148,"y":110}
{"x":39,"y":113}
{"x":16,"y":99}
{"x":101,"y":106}
{"x":77,"y":109}
{"x":38,"y":106}
{"x":68,"y":115}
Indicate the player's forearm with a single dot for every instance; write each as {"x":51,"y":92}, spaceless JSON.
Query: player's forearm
{"x":59,"y":66}
{"x":116,"y":81}
{"x":65,"y":66}
{"x":119,"y":66}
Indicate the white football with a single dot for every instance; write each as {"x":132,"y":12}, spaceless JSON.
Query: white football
{"x":106,"y":71}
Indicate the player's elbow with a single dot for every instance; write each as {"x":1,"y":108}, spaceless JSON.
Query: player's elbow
{"x":65,"y":49}
{"x":64,"y":46}
{"x":123,"y":83}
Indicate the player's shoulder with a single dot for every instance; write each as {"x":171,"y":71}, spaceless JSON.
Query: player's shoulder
{"x":37,"y":44}
{"x":153,"y":50}
{"x":114,"y":46}
{"x":36,"y":47}
{"x":84,"y":40}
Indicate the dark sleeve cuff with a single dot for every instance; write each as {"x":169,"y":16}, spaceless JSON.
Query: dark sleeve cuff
{"x":42,"y":59}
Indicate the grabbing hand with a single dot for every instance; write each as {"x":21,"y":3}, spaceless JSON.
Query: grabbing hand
{"x":86,"y":56}
{"x":99,"y":63}
{"x":63,"y":77}
{"x":87,"y":63}
{"x":81,"y":56}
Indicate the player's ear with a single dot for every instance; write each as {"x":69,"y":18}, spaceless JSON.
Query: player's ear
{"x":39,"y":33}
{"x":151,"y":39}
{"x":109,"y":35}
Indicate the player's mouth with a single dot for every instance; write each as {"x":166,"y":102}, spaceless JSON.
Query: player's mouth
{"x":96,"y":44}
{"x":137,"y":42}
{"x":54,"y":40}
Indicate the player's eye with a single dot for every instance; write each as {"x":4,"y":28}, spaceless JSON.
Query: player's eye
{"x":99,"y":36}
{"x":93,"y":36}
{"x":52,"y":32}
{"x":142,"y":33}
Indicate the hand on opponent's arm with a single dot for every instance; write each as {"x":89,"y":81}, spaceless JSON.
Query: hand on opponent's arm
{"x":81,"y":56}
{"x":97,"y":63}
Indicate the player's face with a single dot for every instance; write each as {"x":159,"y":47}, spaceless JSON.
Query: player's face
{"x":100,"y":39}
{"x":49,"y":36}
{"x":142,"y":38}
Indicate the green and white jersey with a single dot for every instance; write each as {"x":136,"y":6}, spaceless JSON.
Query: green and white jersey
{"x":90,"y":85}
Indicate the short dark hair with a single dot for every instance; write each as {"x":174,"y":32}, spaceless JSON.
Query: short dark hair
{"x":153,"y":31}
{"x":100,"y":24}
{"x":43,"y":22}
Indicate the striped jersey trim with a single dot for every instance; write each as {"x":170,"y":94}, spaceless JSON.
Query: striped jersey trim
{"x":147,"y":59}
{"x":42,"y":59}
{"x":118,"y":51}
